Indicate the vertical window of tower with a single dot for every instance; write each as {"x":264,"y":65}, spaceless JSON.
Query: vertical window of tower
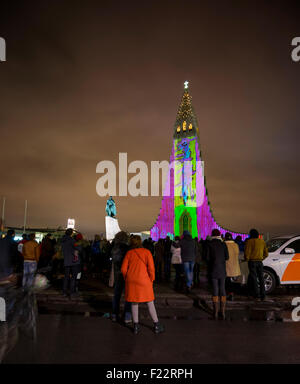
{"x":185,"y":223}
{"x":184,"y":126}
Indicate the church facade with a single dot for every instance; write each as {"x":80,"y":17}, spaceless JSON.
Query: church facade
{"x":185,"y":204}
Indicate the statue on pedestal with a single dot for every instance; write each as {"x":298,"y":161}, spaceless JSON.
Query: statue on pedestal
{"x":111,"y":207}
{"x":111,"y":222}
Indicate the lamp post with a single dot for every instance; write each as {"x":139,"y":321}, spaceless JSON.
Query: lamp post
{"x":2,"y":217}
{"x":25,"y":217}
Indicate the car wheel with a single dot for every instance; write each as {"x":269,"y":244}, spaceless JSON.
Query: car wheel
{"x":270,"y":281}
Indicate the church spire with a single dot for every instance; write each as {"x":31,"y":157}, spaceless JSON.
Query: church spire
{"x":186,"y":121}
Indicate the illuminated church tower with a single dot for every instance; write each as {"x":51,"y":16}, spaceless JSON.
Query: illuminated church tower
{"x":185,"y":205}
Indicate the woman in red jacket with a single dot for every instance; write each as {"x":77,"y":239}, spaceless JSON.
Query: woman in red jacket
{"x":139,"y":273}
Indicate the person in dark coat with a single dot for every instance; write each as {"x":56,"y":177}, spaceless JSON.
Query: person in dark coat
{"x":81,"y":248}
{"x":188,"y":255}
{"x":177,"y":263}
{"x":217,"y":254}
{"x":118,"y":252}
{"x":106,"y":248}
{"x":159,"y":250}
{"x":8,"y":257}
{"x":167,"y":258}
{"x":198,"y":259}
{"x":204,"y":254}
{"x":47,"y":252}
{"x":149,"y":244}
{"x":240,"y":243}
{"x":96,"y":255}
{"x":71,"y":262}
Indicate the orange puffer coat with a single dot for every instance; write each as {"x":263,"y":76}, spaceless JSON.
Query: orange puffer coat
{"x":139,"y":273}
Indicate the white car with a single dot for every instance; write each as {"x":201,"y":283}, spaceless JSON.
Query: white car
{"x":282,"y":266}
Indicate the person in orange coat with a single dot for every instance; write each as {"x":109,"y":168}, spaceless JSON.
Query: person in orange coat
{"x":139,"y":273}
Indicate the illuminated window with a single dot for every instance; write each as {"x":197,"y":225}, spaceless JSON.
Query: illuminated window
{"x":190,"y":127}
{"x":178,"y":129}
{"x":184,"y":126}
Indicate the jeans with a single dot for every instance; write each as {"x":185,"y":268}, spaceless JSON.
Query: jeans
{"x":188,"y":269}
{"x":256,"y":274}
{"x":28,"y":274}
{"x":118,"y":290}
{"x":73,"y":271}
{"x":219,"y":286}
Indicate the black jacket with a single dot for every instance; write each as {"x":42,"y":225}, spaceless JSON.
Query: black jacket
{"x":8,"y":256}
{"x":188,"y":249}
{"x":149,"y":245}
{"x":118,"y":253}
{"x":68,"y":249}
{"x":217,"y":254}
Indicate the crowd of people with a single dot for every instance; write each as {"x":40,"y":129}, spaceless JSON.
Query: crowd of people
{"x":152,"y":261}
{"x":51,"y":255}
{"x":130,"y":266}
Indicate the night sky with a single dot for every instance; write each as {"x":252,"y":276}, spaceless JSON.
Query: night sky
{"x":85,"y":80}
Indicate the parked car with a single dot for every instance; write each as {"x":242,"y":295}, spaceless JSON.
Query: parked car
{"x":282,"y":266}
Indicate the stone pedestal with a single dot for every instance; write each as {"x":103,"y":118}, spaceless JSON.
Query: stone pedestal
{"x":112,"y":227}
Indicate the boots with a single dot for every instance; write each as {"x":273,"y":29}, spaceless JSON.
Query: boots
{"x":230,"y":297}
{"x":158,"y":328}
{"x":136,"y":328}
{"x":223,"y":307}
{"x":216,"y":307}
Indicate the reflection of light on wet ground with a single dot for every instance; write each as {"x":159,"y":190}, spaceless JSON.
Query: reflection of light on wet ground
{"x":80,"y":339}
{"x":245,"y":315}
{"x":21,"y":315}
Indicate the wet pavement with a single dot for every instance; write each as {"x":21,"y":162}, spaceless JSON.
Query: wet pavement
{"x":95,"y":300}
{"x":80,"y":331}
{"x":79,"y":339}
